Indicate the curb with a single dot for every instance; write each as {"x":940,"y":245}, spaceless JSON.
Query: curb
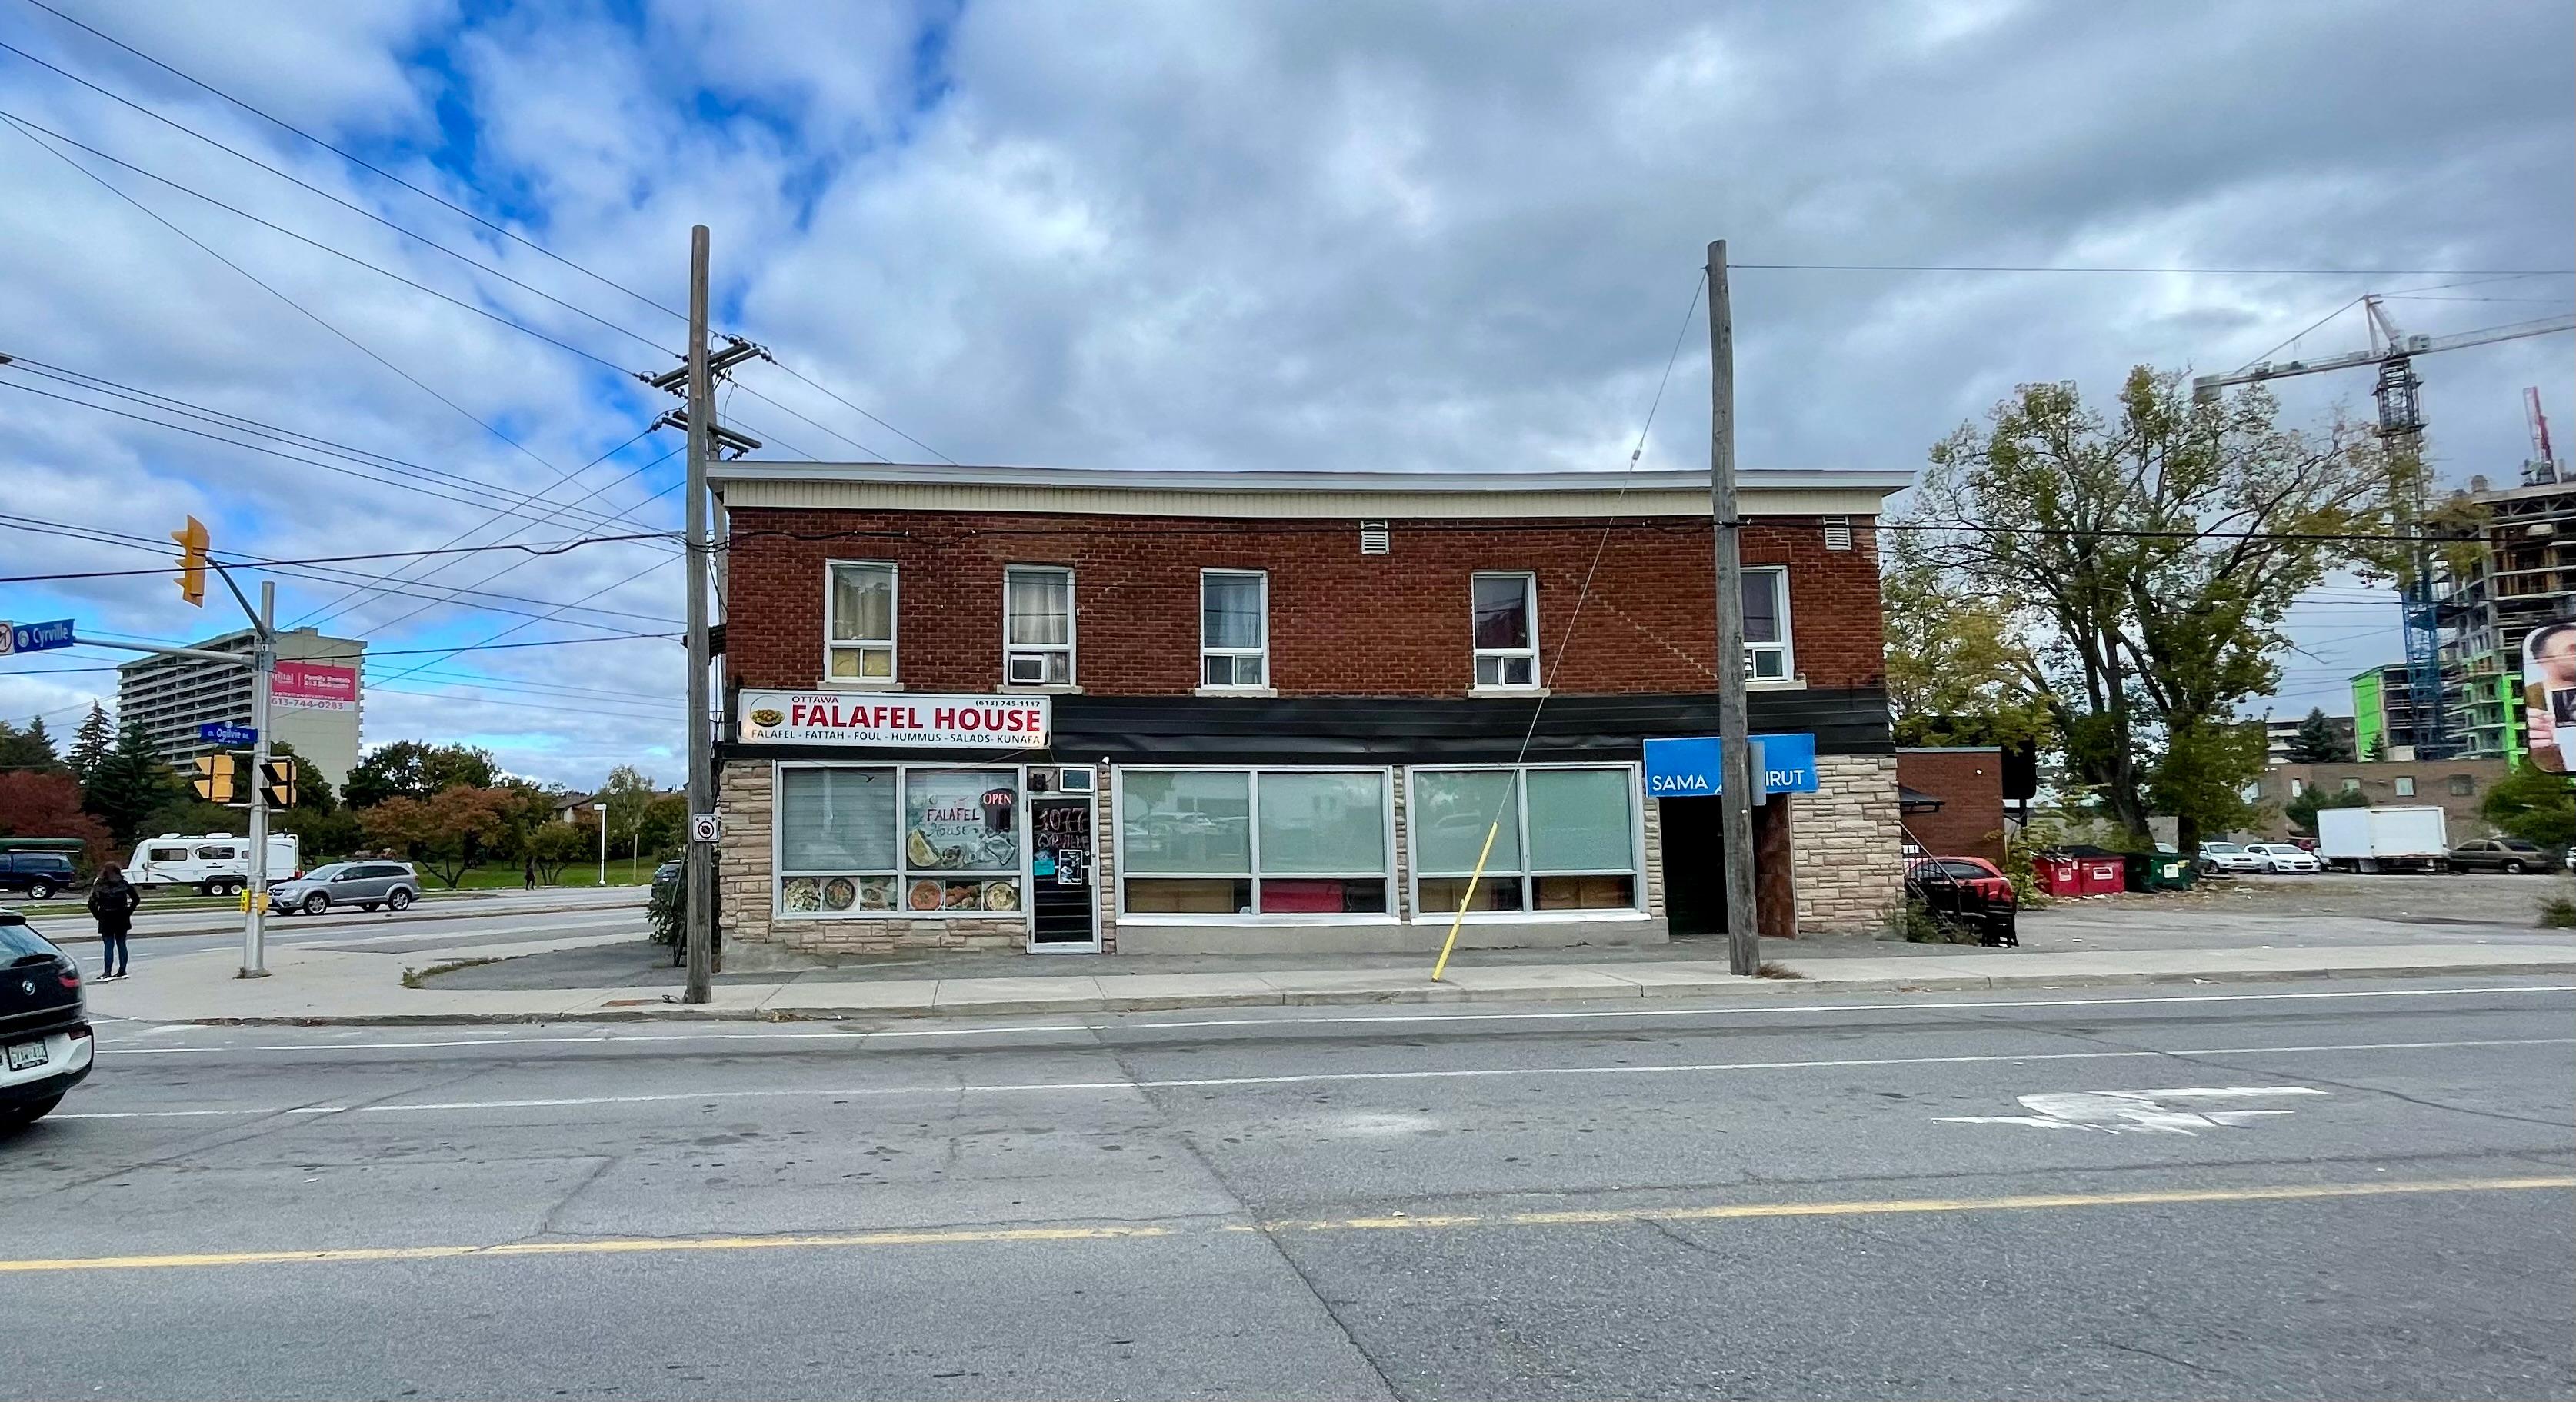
{"x":1767,"y":988}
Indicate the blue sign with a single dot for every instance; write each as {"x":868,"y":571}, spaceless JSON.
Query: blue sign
{"x":41,"y":637}
{"x":223,"y":733}
{"x":1689,"y":768}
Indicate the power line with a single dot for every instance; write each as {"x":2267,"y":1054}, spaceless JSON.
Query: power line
{"x":329,"y":575}
{"x":496,"y":574}
{"x":557,"y":547}
{"x":300,"y":183}
{"x":586,"y":518}
{"x":364,"y":457}
{"x":309,"y":314}
{"x":344,"y":603}
{"x":359,"y":161}
{"x":791,"y":372}
{"x":373,"y":653}
{"x":2206,"y":272}
{"x":484,"y":312}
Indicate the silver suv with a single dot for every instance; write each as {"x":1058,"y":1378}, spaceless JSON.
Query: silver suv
{"x":365,"y":885}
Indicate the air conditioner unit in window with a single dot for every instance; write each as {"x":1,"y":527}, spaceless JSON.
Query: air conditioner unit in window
{"x":1026,"y":669}
{"x":1074,"y":779}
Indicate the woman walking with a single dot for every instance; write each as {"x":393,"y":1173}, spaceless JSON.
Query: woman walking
{"x":111,"y":903}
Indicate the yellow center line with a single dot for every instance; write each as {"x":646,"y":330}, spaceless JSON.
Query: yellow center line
{"x":2288,"y":1192}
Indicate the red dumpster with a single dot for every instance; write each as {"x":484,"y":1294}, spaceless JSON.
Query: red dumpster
{"x":2057,"y":875}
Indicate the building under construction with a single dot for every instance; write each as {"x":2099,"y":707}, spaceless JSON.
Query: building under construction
{"x":2525,"y":577}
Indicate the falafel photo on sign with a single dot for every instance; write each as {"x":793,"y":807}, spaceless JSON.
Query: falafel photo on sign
{"x":2549,"y":695}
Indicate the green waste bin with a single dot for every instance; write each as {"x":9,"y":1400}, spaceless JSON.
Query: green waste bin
{"x":2160,"y":871}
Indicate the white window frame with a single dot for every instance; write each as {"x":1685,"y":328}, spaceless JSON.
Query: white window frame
{"x":778,"y":873}
{"x":1477,"y":655}
{"x":894,"y":628}
{"x":1787,"y":647}
{"x":2405,"y":786}
{"x":1268,"y":682}
{"x":1072,"y":632}
{"x":1524,"y":874}
{"x":1252,"y":795}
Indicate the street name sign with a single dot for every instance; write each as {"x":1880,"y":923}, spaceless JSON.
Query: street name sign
{"x":36,"y":637}
{"x":215,"y":732}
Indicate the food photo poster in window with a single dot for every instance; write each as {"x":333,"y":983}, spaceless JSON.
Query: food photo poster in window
{"x":2549,"y":695}
{"x":962,"y":821}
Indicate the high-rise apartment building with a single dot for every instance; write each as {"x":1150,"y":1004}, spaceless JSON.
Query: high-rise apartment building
{"x":2383,"y":713}
{"x":314,"y":706}
{"x":2525,"y":577}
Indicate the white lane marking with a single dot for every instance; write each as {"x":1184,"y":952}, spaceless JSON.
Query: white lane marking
{"x":630,"y":1039}
{"x":1306,"y":1078}
{"x":2137,"y":1111}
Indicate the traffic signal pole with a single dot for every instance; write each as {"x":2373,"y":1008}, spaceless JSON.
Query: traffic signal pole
{"x":263,"y":663}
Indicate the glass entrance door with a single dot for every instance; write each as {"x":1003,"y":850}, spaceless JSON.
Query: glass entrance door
{"x":1064,"y":911}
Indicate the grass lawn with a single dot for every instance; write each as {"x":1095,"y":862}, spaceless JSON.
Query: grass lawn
{"x":511,"y":878}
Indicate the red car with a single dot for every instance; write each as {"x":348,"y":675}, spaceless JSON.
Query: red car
{"x":1969,"y":890}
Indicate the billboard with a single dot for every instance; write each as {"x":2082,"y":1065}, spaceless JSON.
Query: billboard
{"x":313,"y":686}
{"x":2549,"y":695}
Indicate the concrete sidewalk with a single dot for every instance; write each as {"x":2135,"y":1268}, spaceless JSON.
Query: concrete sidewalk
{"x":356,"y":987}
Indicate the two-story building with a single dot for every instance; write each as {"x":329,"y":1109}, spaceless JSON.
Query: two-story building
{"x":1306,"y":711}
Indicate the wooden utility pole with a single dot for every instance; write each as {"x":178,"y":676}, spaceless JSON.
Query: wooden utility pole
{"x":1734,"y":745}
{"x":702,"y":416}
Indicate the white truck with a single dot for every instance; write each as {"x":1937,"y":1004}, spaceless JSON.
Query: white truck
{"x":2383,"y":839}
{"x":216,"y":863}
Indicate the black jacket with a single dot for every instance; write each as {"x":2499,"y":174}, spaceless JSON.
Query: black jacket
{"x":112,"y":906}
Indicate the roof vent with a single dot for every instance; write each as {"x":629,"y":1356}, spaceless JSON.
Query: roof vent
{"x":1838,"y":533}
{"x":1373,"y":538}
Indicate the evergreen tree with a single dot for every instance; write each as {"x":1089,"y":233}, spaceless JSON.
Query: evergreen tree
{"x":91,"y":742}
{"x":130,"y":784}
{"x":30,"y":750}
{"x":2317,"y":741}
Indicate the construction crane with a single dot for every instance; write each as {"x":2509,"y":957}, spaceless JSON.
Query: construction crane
{"x":2401,"y":424}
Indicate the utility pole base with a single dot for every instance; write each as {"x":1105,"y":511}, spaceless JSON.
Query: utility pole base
{"x":252,"y":973}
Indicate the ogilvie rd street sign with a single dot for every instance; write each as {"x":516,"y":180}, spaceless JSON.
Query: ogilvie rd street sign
{"x":221,"y":733}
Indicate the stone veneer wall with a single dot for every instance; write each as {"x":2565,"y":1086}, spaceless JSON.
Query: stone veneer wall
{"x":744,"y":911}
{"x":1845,"y":838}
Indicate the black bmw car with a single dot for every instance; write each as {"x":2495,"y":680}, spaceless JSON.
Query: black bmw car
{"x":45,"y":1042}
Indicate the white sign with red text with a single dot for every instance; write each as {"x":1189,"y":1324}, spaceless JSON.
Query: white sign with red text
{"x":892,"y":718}
{"x":313,"y":686}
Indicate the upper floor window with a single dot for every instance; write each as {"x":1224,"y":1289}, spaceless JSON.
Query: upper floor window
{"x":1037,"y":626}
{"x":2405,"y":786}
{"x":2351,"y":785}
{"x":858,"y":625}
{"x":1234,"y":628}
{"x":1767,"y":657}
{"x":2462,"y":786}
{"x":1506,"y":630}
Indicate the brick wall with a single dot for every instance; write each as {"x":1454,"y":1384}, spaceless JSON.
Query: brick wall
{"x":1340,"y":623}
{"x":1970,"y":784}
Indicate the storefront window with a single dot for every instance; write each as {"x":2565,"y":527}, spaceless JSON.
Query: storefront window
{"x":1245,"y":842}
{"x":1566,"y":839}
{"x":882,"y":840}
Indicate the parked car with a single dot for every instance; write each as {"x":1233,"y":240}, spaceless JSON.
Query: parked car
{"x":2283,"y":859}
{"x":1967,"y":891}
{"x":670,"y":873}
{"x":2217,"y":857}
{"x":2510,"y":855}
{"x":45,"y":1043}
{"x":365,"y":885}
{"x":39,"y":874}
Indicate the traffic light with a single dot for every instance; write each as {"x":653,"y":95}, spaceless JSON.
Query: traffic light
{"x":192,"y":561}
{"x":277,"y":783}
{"x":214,"y":781}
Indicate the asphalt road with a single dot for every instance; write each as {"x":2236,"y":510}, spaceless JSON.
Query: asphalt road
{"x":444,"y":922}
{"x":2329,"y":1190}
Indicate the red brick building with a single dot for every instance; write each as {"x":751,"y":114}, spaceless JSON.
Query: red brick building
{"x":1967,"y":784}
{"x":1150,"y":710}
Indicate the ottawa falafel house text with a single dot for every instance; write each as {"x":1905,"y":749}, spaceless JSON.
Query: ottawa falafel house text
{"x":892,"y":719}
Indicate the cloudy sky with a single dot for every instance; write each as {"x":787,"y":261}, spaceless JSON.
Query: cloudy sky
{"x":1431,"y":236}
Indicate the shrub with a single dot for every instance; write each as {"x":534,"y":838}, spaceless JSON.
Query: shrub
{"x":2558,"y":913}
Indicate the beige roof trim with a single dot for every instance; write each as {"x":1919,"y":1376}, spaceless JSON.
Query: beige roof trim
{"x":1210,"y":495}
